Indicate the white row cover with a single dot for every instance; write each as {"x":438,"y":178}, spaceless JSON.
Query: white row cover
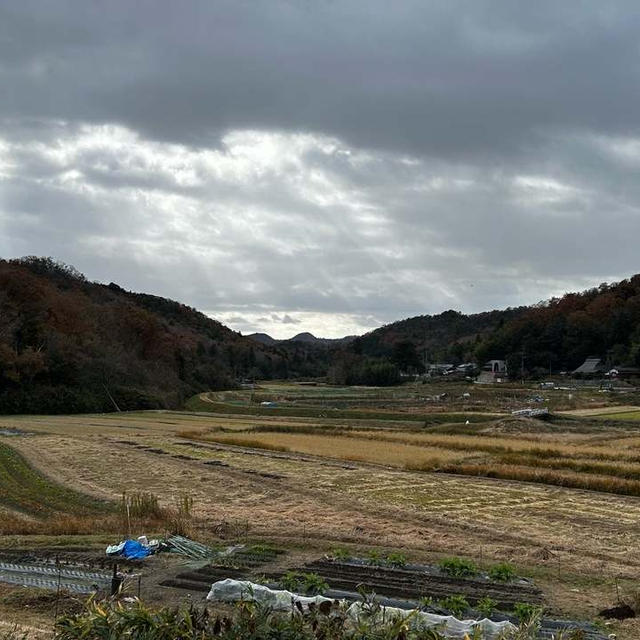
{"x":234,"y":590}
{"x":448,"y":626}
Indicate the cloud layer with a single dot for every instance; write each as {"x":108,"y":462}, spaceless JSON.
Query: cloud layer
{"x":324,"y":166}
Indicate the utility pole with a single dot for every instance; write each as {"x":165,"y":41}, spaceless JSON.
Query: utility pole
{"x":522,"y":365}
{"x":115,"y":404}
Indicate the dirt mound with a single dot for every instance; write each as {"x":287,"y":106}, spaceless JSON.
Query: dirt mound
{"x":619,"y":612}
{"x":514,"y":424}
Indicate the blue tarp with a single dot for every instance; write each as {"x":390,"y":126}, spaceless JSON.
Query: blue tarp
{"x":133,"y":549}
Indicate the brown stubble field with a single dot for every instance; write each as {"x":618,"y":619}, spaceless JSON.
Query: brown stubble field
{"x":362,"y":502}
{"x":576,"y":543}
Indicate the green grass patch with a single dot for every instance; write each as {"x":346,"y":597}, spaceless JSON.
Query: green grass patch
{"x":625,"y":415}
{"x":24,"y":489}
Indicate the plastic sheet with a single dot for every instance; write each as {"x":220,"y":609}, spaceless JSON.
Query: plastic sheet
{"x":448,"y":626}
{"x":234,"y":590}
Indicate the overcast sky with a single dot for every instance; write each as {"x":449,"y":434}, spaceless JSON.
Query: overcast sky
{"x":324,"y":166}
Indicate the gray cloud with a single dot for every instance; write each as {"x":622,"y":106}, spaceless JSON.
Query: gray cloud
{"x":329,"y":165}
{"x":444,"y":77}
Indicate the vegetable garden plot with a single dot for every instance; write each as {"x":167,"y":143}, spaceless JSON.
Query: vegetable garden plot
{"x":404,"y":583}
{"x":413,"y":583}
{"x":253,"y":557}
{"x":238,"y":565}
{"x":202,"y":579}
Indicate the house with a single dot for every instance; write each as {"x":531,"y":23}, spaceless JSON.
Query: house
{"x":492,"y":371}
{"x":621,"y":371}
{"x":592,"y":366}
{"x":497,"y":367}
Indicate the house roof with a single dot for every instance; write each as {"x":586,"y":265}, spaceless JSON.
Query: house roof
{"x":590,"y":365}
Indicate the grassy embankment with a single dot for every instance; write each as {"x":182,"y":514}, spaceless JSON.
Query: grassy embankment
{"x":621,"y":415}
{"x":32,"y":504}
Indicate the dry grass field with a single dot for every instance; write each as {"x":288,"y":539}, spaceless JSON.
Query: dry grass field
{"x":311,"y":482}
{"x":599,"y":459}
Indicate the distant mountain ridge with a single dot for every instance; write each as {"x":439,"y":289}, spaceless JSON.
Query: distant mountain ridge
{"x":305,"y":337}
{"x":263,"y":338}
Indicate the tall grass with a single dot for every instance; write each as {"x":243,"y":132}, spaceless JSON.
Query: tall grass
{"x":61,"y":524}
{"x":180,"y":519}
{"x":504,"y":445}
{"x":140,"y":505}
{"x":557,"y":478}
{"x":137,"y":512}
{"x":364,"y":450}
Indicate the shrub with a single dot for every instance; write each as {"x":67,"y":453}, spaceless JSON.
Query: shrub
{"x":525,"y":611}
{"x":339,"y":553}
{"x":306,"y":583}
{"x":502,"y":572}
{"x":486,"y":606}
{"x":396,"y":559}
{"x":374,"y":557}
{"x":250,"y":621}
{"x":456,"y":604}
{"x":458,"y":567}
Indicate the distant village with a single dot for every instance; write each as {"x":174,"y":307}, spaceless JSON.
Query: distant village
{"x":593,"y":372}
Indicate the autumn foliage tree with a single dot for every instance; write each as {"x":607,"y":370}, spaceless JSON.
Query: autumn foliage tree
{"x":67,"y":344}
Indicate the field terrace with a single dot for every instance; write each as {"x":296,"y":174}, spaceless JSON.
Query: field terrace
{"x":321,"y":482}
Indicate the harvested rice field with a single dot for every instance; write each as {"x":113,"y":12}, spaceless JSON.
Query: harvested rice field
{"x":556,"y":498}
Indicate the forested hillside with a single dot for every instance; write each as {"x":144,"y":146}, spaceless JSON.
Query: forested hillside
{"x":557,"y":334}
{"x":447,"y":337}
{"x":68,"y":345}
{"x":561,"y":333}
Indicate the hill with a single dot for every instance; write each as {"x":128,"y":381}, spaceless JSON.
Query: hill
{"x":447,"y":337}
{"x":561,"y":333}
{"x":263,"y":338}
{"x":305,"y":355}
{"x":69,"y":345}
{"x":557,"y":334}
{"x":306,"y":337}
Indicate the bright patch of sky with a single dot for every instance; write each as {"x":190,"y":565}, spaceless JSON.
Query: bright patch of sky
{"x":324,"y":167}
